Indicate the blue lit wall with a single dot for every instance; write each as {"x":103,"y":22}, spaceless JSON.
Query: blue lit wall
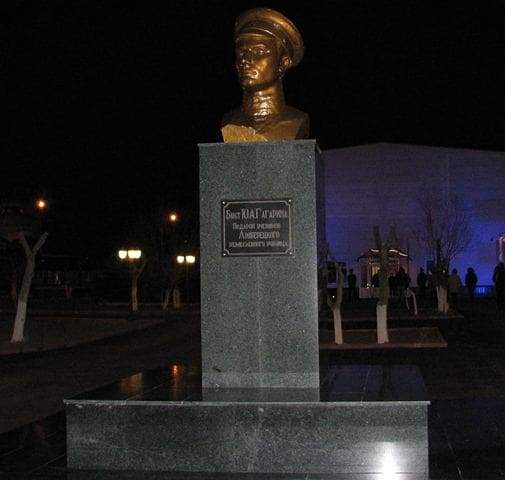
{"x":379,"y":185}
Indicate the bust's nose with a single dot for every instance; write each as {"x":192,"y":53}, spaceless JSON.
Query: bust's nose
{"x":246,"y":57}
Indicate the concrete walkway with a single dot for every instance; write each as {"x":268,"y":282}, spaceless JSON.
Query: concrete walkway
{"x":34,"y":385}
{"x":47,"y":329}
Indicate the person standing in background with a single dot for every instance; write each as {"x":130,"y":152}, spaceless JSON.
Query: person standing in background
{"x":351,"y":285}
{"x":499,"y":286}
{"x":470,"y":283}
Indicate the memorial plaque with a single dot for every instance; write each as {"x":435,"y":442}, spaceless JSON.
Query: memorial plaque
{"x":256,"y":227}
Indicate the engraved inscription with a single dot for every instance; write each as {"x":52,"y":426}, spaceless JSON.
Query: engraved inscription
{"x":256,"y":227}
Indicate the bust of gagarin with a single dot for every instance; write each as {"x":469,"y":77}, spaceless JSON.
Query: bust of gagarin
{"x":267,"y":44}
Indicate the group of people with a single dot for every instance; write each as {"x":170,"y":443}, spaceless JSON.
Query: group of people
{"x":400,"y":282}
{"x":454,"y":285}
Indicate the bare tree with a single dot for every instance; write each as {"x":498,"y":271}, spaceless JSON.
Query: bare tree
{"x":17,"y":225}
{"x":14,"y":219}
{"x":382,"y":302}
{"x":30,"y":253}
{"x":444,"y":232}
{"x":335,"y":305}
{"x":135,"y":272}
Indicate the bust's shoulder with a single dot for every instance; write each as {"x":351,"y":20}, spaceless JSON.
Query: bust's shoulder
{"x":294,"y":123}
{"x":291,"y":112}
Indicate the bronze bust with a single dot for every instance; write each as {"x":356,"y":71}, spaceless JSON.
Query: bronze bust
{"x":266,"y":45}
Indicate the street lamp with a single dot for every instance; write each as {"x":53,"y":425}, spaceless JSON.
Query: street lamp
{"x":132,"y":255}
{"x":173,"y":217}
{"x":186,"y":261}
{"x":41,"y":204}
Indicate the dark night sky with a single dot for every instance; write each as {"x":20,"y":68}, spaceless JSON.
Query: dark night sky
{"x":107,"y":100}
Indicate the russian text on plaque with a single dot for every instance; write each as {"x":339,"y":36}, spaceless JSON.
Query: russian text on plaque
{"x":256,"y":227}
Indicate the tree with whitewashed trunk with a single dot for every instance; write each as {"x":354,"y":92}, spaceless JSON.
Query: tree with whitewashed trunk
{"x":176,"y":302}
{"x":335,"y":305}
{"x":135,"y":272}
{"x":440,"y":277}
{"x":409,"y":294}
{"x":444,"y":232}
{"x":383,"y":298}
{"x":24,"y":291}
{"x":14,"y":219}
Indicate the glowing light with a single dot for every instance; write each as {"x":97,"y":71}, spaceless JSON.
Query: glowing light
{"x":173,"y":217}
{"x":176,"y":380}
{"x":131,"y":254}
{"x":187,"y":259}
{"x":41,"y":204}
{"x":388,"y":468}
{"x":134,"y":254}
{"x":132,"y":384}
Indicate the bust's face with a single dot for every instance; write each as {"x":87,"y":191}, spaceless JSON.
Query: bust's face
{"x":257,"y":60}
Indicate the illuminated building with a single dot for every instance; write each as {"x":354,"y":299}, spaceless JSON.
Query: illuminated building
{"x":380,"y":184}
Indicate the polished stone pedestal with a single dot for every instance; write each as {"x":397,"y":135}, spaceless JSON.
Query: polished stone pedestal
{"x":259,"y":303}
{"x":368,"y":419}
{"x":258,"y":406}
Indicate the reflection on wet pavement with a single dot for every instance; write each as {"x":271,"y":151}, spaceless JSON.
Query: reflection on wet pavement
{"x":466,"y":436}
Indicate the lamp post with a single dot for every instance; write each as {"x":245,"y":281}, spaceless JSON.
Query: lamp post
{"x":186,"y":261}
{"x":132,"y":256}
{"x":168,"y":235}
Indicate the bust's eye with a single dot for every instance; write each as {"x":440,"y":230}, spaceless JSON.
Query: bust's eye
{"x":259,"y":51}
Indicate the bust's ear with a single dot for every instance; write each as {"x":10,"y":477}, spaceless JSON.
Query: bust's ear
{"x":285,"y":63}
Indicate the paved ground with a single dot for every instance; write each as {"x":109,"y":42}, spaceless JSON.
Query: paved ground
{"x":34,"y":384}
{"x":51,"y":329}
{"x":466,"y":382}
{"x":473,"y":364}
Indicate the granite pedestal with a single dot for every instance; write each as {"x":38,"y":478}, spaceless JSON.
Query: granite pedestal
{"x":260,"y":407}
{"x":260,"y":222}
{"x":369,"y":420}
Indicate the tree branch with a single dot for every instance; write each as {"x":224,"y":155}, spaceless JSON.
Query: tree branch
{"x":24,"y":243}
{"x":40,"y":242}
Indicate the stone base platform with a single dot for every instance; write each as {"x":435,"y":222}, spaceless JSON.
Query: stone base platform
{"x":363,"y":420}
